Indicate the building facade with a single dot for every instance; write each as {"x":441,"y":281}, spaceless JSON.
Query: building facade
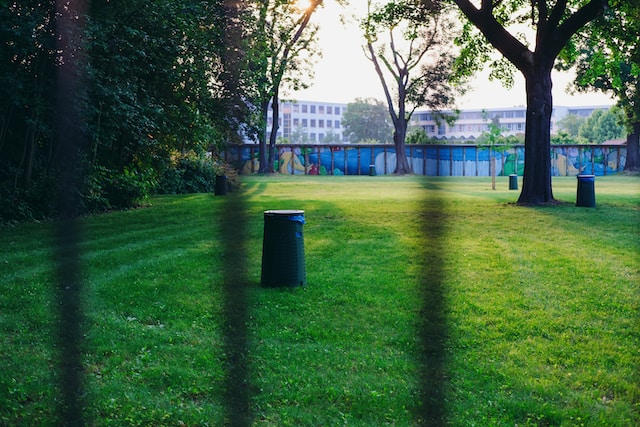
{"x":311,"y":122}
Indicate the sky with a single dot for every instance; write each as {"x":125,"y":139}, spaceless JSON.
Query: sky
{"x":343,"y":73}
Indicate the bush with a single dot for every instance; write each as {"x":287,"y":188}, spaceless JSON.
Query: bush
{"x":190,"y":173}
{"x":106,"y":189}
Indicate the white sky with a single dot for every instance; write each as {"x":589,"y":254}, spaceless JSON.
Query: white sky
{"x":343,"y":73}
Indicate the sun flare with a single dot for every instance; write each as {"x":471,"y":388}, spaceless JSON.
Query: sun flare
{"x":303,"y":4}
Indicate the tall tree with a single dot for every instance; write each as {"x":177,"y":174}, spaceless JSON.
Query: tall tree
{"x":607,"y":58}
{"x":366,"y":120}
{"x":416,"y":68}
{"x":555,"y":22}
{"x":282,"y":33}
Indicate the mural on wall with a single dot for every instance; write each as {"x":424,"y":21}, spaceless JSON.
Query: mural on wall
{"x":432,"y":160}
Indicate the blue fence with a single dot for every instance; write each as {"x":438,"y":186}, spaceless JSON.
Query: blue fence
{"x":432,"y":160}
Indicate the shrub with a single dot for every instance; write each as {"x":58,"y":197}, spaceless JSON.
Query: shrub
{"x":191,"y":173}
{"x":106,"y":189}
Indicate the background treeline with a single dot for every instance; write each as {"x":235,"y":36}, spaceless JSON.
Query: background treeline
{"x":157,"y":98}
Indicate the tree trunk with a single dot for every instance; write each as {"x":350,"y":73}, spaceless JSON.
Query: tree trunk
{"x":536,"y":184}
{"x":399,"y":136}
{"x":262,"y":139}
{"x":633,"y":149}
{"x":275,"y":106}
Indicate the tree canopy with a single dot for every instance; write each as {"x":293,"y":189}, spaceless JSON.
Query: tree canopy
{"x":606,"y":55}
{"x":367,"y":120}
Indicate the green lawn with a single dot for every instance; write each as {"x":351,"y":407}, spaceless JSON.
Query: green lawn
{"x":430,"y":301}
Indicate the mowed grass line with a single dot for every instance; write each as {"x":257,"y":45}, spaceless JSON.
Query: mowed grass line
{"x":541,"y":308}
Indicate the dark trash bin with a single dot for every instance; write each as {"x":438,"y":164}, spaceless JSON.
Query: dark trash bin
{"x":513,"y":182}
{"x":283,"y":249}
{"x":221,"y":185}
{"x":372,"y":170}
{"x":586,"y":195}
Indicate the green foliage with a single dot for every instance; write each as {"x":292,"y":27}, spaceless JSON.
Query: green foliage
{"x":565,"y":138}
{"x":108,"y":189}
{"x":606,"y":56}
{"x":602,"y":125}
{"x":417,"y":135}
{"x":571,"y":124}
{"x":188,"y":173}
{"x":155,"y":83}
{"x":367,"y":119}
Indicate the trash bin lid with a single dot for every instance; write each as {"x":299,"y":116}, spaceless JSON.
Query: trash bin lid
{"x":285,"y":212}
{"x":586,"y":177}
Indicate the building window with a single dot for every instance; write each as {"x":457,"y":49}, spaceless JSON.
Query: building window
{"x":304,"y":108}
{"x":329,"y":123}
{"x":296,"y":108}
{"x":312,"y":137}
{"x":313,"y":109}
{"x":336,"y":124}
{"x":304,"y":123}
{"x":313,"y":123}
{"x":329,"y":110}
{"x":321,"y":137}
{"x":336,"y":111}
{"x":296,"y":122}
{"x":320,"y":123}
{"x":320,"y":109}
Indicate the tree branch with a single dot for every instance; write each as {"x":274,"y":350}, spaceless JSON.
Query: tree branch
{"x":512,"y":49}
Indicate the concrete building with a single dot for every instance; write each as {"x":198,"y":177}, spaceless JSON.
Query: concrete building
{"x":470,"y":124}
{"x":311,"y":122}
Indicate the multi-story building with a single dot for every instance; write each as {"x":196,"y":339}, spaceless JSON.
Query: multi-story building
{"x":470,"y":124}
{"x":309,"y":122}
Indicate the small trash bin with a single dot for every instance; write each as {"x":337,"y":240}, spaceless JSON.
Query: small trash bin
{"x":220,"y":188}
{"x":586,"y":195}
{"x":513,"y":182}
{"x":372,"y":170}
{"x":283,"y":249}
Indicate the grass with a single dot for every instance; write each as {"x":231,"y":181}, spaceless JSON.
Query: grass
{"x":430,"y":301}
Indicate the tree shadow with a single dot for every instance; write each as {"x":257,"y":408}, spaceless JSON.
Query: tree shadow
{"x":232,"y":229}
{"x":433,"y":330}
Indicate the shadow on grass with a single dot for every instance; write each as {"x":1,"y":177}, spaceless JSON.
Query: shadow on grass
{"x":433,"y":321}
{"x":71,"y":141}
{"x":232,"y":229}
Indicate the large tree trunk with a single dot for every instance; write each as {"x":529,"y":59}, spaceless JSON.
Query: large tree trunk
{"x":633,"y":149}
{"x":536,"y":185}
{"x":399,"y":136}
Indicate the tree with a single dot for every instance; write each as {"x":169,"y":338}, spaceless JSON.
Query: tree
{"x":602,"y":126}
{"x":367,"y":120}
{"x":159,"y":80}
{"x":414,"y":72}
{"x":571,"y":124}
{"x":607,"y":59}
{"x":281,"y":34}
{"x":555,"y":22}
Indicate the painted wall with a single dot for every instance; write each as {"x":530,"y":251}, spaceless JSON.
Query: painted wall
{"x":432,"y":160}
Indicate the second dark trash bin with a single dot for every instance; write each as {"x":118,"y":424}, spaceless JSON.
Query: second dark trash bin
{"x":283,"y":249}
{"x":220,"y":188}
{"x":513,"y":182}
